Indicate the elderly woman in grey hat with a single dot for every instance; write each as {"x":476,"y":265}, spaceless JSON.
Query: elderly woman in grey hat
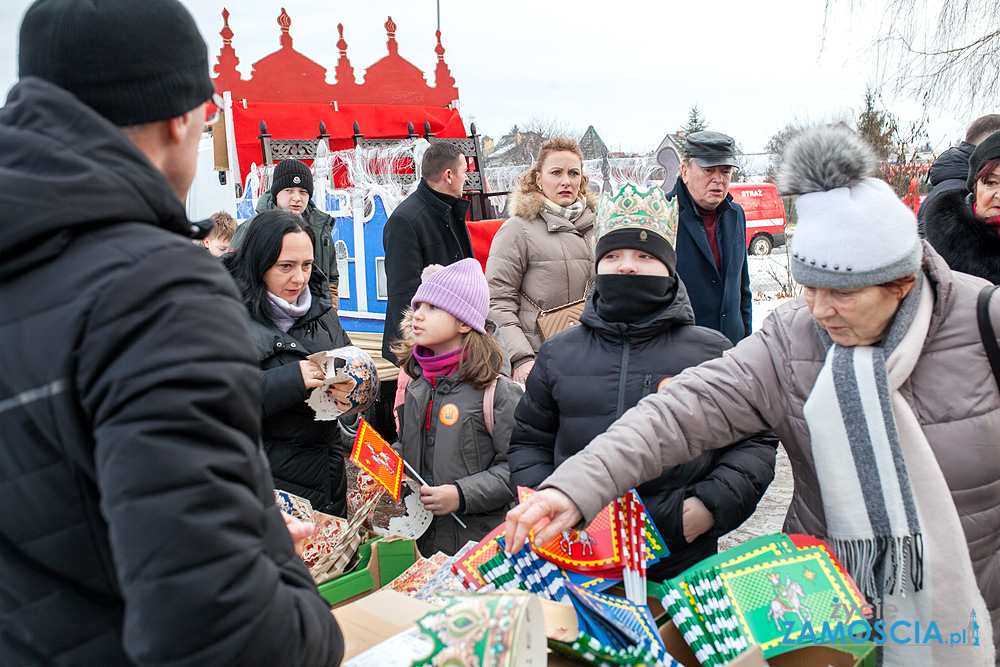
{"x":877,"y":384}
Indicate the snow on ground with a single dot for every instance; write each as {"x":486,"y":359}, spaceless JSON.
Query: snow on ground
{"x":770,"y":283}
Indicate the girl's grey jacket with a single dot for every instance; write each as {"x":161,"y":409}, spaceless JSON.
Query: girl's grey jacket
{"x":442,"y":433}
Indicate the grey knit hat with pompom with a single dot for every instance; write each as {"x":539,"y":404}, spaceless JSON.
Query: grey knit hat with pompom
{"x":852,"y":230}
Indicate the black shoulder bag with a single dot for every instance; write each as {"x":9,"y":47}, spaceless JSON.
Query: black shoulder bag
{"x":986,"y":330}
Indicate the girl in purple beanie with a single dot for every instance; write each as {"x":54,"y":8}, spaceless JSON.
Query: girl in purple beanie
{"x":456,"y":419}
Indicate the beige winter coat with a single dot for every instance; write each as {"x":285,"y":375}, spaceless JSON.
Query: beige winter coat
{"x":544,"y":256}
{"x":763,"y":383}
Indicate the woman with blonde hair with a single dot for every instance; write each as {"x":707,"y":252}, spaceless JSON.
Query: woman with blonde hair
{"x":543,"y":256}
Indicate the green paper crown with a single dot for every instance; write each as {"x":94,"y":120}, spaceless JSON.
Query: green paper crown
{"x":637,"y":207}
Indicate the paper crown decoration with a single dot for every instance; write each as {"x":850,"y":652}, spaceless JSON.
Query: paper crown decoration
{"x":638,"y":207}
{"x":344,"y":364}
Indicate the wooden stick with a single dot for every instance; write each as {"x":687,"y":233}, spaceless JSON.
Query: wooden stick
{"x":420,"y":479}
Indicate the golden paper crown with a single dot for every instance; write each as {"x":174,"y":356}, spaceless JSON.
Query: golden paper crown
{"x":638,"y":207}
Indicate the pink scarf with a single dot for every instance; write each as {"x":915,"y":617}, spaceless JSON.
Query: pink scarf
{"x":436,"y":366}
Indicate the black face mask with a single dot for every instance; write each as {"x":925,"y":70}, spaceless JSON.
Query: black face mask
{"x":632,"y":298}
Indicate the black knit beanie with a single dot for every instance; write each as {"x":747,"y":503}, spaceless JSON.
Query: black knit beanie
{"x":988,"y":149}
{"x":291,"y":173}
{"x":132,"y":61}
{"x":638,"y":239}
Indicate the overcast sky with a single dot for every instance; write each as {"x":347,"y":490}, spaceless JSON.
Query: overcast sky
{"x":631,"y":69}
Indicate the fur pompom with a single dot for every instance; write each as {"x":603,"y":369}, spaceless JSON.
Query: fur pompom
{"x":429,"y":271}
{"x":825,"y":158}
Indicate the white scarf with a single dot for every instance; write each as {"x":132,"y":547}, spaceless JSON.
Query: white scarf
{"x":889,"y":512}
{"x":284,"y":314}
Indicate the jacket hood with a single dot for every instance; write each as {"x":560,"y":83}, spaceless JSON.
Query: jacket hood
{"x":529,"y":206}
{"x":952,"y":164}
{"x":66,"y":169}
{"x":678,"y":313}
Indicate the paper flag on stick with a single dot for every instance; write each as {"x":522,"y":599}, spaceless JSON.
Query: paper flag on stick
{"x":373,"y":454}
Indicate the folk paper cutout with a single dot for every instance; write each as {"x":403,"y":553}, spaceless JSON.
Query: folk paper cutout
{"x":764,"y":592}
{"x":468,"y":567}
{"x":330,"y":549}
{"x":415,"y":520}
{"x":344,"y":364}
{"x":597,"y":547}
{"x":417,"y":576}
{"x":634,"y":622}
{"x":373,"y":454}
{"x":499,"y":630}
{"x":793,"y":589}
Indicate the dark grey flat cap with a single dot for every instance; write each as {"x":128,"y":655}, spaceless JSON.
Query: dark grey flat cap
{"x":710,"y":149}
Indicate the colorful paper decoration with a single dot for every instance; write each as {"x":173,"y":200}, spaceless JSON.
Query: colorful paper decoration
{"x":373,"y":454}
{"x":760,"y":593}
{"x":596,"y":548}
{"x":497,"y":630}
{"x":344,"y":365}
{"x":330,"y":549}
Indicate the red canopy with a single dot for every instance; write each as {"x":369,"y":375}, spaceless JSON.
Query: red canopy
{"x":301,"y":121}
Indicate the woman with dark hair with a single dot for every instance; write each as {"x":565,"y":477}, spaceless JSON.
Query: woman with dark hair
{"x":964,"y":225}
{"x":291,"y":317}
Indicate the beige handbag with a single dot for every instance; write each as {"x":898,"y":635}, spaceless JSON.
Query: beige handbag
{"x":552,"y":321}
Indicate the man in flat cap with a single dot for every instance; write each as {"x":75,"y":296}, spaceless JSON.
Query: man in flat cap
{"x":138,"y":523}
{"x":711,"y":236}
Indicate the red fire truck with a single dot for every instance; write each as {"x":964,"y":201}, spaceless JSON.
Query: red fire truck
{"x":765,"y":215}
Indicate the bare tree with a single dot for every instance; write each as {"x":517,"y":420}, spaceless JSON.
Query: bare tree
{"x":941,"y":52}
{"x":893,"y":143}
{"x":521,"y":143}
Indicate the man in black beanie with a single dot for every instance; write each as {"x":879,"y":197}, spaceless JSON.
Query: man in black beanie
{"x":139,"y":524}
{"x":292,"y":190}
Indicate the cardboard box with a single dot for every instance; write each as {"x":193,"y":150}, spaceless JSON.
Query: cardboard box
{"x":377,"y":617}
{"x":379,"y":561}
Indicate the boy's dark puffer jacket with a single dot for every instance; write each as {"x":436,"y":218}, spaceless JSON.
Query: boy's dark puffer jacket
{"x":587,"y":376}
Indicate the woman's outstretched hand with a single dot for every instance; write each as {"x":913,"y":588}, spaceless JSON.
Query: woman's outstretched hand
{"x":549,"y":504}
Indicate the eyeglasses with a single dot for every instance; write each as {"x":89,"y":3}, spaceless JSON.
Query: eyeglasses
{"x":214,"y":118}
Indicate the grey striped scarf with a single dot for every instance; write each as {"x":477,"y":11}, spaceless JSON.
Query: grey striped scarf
{"x":869,"y":505}
{"x":571,"y":212}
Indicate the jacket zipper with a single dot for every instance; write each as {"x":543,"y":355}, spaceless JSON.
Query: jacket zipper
{"x":647,"y":384}
{"x":623,"y":376}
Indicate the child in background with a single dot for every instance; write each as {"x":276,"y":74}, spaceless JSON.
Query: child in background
{"x":454,"y":364}
{"x":217,"y":242}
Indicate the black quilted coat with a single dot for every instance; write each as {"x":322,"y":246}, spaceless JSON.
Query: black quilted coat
{"x":138,"y":522}
{"x":584,"y":379}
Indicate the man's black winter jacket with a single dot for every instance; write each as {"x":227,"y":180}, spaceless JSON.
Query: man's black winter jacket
{"x":422,"y":230}
{"x":721,"y":299}
{"x":138,"y":522}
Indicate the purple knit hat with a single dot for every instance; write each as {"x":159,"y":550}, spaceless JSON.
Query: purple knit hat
{"x":459,"y":289}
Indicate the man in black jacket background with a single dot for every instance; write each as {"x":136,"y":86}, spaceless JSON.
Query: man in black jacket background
{"x":951,"y":169}
{"x":428,"y":227}
{"x":712,"y":236}
{"x":139,"y":524}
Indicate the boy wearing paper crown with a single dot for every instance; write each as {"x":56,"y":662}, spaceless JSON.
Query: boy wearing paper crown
{"x":636,"y":332}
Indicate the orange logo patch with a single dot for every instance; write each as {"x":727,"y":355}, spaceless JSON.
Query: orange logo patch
{"x":663,"y":383}
{"x":449,"y":414}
